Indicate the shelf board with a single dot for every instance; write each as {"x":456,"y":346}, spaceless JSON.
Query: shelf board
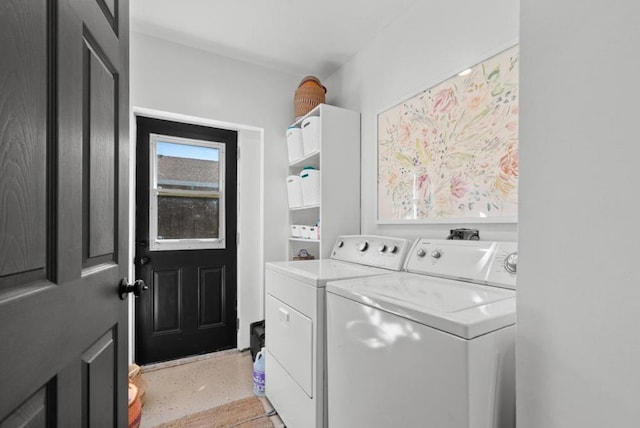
{"x":304,"y":207}
{"x":312,"y":157}
{"x":304,"y":240}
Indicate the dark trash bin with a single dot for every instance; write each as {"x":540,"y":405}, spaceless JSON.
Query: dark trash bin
{"x":257,"y":332}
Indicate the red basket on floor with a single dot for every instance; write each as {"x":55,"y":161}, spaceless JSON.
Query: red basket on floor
{"x":135,"y":407}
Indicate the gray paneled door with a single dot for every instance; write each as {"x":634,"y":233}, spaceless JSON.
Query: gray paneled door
{"x":64,"y":129}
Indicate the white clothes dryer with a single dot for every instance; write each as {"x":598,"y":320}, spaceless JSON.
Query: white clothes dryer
{"x":295,"y":379}
{"x":432,"y":347}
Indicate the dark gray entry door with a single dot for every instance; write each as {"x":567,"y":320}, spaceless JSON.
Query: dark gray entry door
{"x":186,"y":209}
{"x":64,"y":212}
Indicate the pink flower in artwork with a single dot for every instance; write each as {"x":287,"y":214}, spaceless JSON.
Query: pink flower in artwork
{"x":422,"y":181}
{"x":422,"y":185}
{"x":405,"y":132}
{"x":444,"y":100}
{"x":512,"y":126}
{"x":457,"y":186}
{"x":509,"y":163}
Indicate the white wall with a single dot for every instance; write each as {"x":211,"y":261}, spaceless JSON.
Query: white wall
{"x":169,"y":77}
{"x":578,"y":349}
{"x":429,"y":43}
{"x":250,"y":255}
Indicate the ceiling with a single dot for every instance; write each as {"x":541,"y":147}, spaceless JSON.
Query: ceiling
{"x":299,"y":37}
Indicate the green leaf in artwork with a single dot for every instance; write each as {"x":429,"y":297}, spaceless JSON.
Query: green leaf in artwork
{"x":488,"y":206}
{"x":404,"y":159}
{"x":497,"y":91}
{"x":494,"y":73}
{"x":462,"y":156}
{"x":423,"y":154}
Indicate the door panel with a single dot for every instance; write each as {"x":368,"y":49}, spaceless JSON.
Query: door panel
{"x":63,"y":165}
{"x":109,"y":8}
{"x":166,"y":292}
{"x":33,"y":413}
{"x":98,"y":365}
{"x":23,"y":155}
{"x":99,"y":158}
{"x":212,"y":297}
{"x":190,"y":308}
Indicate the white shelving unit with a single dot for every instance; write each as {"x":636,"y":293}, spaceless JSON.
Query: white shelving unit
{"x":338,"y":160}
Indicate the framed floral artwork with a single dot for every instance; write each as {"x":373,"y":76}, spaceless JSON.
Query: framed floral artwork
{"x":450,"y":153}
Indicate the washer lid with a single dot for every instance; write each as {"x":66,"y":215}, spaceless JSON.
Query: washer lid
{"x":464,"y":309}
{"x":318,"y":272}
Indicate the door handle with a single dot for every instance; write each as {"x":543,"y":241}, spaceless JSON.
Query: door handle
{"x":136,"y":288}
{"x":284,"y":315}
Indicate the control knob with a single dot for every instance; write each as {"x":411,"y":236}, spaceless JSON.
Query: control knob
{"x":382,"y":248}
{"x":393,"y":249}
{"x":340,"y":244}
{"x":436,"y":254}
{"x":421,"y":253}
{"x":511,"y":263}
{"x":363,"y":247}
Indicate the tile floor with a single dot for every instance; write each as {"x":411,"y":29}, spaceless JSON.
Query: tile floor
{"x":182,"y":387}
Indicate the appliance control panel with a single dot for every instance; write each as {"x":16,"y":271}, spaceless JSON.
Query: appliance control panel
{"x":370,"y":250}
{"x":483,"y":262}
{"x":504,"y":266}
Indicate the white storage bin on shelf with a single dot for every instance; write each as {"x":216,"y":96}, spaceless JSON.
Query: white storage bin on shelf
{"x":304,"y":231}
{"x":312,"y":233}
{"x":311,"y":134}
{"x":310,"y":186}
{"x":294,"y":191}
{"x":295,"y":231}
{"x":294,"y":143}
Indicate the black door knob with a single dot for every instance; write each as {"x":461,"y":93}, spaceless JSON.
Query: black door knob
{"x":136,"y":288}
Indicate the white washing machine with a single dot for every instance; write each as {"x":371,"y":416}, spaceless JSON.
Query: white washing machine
{"x":295,"y":380}
{"x":431,"y":347}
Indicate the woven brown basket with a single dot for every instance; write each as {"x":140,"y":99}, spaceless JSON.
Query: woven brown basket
{"x":309,"y":94}
{"x":303,"y":255}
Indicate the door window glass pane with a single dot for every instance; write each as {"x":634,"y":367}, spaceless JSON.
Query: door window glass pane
{"x":189,"y":167}
{"x":184,"y":217}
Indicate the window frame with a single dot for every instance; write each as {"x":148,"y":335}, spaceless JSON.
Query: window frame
{"x":156,"y":244}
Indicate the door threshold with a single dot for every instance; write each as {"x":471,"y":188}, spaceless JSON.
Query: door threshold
{"x":187,"y":360}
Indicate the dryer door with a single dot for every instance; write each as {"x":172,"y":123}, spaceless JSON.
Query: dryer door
{"x":290,"y":341}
